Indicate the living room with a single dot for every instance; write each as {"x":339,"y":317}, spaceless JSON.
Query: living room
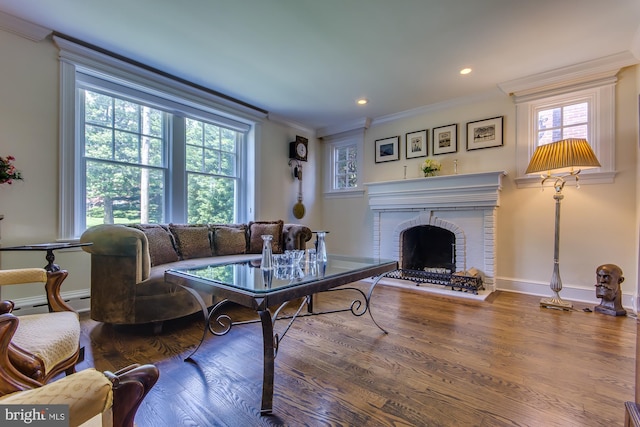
{"x":599,"y":220}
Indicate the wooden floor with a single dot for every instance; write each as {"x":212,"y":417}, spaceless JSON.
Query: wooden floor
{"x":445,"y":362}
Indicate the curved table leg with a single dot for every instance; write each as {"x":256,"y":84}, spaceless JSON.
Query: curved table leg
{"x":373,"y":286}
{"x":268,"y":361}
{"x":205,"y":314}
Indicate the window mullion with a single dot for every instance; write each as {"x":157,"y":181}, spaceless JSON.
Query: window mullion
{"x":176,"y":208}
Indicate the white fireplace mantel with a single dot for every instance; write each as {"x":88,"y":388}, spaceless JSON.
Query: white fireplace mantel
{"x":474,"y":190}
{"x":465,"y":204}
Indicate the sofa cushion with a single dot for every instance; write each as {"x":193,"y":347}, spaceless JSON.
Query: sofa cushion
{"x":229,"y":241}
{"x":192,"y":241}
{"x":259,"y":228}
{"x":161,"y":244}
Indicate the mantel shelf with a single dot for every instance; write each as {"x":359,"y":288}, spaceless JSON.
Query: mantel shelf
{"x":476,"y":190}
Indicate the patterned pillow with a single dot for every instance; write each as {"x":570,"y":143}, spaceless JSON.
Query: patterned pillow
{"x":259,"y":228}
{"x":191,"y":241}
{"x":161,"y":245}
{"x":229,"y":241}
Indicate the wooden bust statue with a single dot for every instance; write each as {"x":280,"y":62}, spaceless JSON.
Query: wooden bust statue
{"x":609,"y":278}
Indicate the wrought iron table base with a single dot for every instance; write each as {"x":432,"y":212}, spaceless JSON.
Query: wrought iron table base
{"x":270,"y":339}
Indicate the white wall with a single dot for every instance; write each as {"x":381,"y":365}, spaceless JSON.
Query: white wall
{"x":598,"y":222}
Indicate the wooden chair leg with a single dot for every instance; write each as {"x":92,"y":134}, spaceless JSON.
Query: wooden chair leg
{"x":130,"y":386}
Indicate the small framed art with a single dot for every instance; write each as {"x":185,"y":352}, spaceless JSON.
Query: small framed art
{"x":416,"y":144}
{"x":484,"y":133}
{"x":388,"y":149}
{"x":445,"y":139}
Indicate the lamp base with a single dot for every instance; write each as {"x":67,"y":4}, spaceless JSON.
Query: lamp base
{"x":556,"y":303}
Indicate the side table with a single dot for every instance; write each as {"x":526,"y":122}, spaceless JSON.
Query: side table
{"x":49,"y":247}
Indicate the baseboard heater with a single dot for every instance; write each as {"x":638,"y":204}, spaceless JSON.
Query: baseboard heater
{"x":456,"y":281}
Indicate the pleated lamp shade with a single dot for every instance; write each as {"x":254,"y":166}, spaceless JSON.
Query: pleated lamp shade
{"x":563,"y":156}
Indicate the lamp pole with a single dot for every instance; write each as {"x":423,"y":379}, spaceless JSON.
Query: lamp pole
{"x":556,"y":282}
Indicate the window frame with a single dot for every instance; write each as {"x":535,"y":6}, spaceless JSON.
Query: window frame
{"x":332,"y":144}
{"x":169,"y":94}
{"x":600,"y":94}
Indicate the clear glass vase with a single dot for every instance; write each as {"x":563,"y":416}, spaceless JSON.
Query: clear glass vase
{"x":267,"y":253}
{"x":321,"y":249}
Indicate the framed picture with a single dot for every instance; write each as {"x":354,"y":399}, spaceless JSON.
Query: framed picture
{"x":388,"y":149}
{"x":416,"y":144}
{"x":484,"y":133}
{"x":445,"y":139}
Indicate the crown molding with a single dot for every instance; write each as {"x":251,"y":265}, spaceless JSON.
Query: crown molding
{"x":23,"y":28}
{"x":362,"y":123}
{"x":275,"y":118}
{"x":439,"y":106}
{"x":600,"y":69}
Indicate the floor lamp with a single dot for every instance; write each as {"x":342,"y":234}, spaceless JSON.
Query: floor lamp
{"x":565,"y":158}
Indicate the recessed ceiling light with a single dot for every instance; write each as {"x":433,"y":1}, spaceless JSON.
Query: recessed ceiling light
{"x":465,"y":71}
{"x":362,"y":101}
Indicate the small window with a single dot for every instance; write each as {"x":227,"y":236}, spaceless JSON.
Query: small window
{"x":344,"y":165}
{"x":563,"y":121}
{"x":586,"y":113}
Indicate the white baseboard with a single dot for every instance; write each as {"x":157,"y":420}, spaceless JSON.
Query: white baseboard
{"x":569,"y":292}
{"x":78,"y":300}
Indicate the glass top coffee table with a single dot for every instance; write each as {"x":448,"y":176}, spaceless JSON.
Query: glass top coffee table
{"x":268,"y":292}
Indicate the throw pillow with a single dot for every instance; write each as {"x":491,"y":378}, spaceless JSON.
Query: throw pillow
{"x":259,"y":228}
{"x":191,"y":241}
{"x":161,"y":244}
{"x":229,"y":241}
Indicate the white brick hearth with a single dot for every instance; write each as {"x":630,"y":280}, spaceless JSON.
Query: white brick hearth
{"x":465,"y":205}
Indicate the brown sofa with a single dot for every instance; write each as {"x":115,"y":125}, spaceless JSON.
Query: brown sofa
{"x":128,"y":263}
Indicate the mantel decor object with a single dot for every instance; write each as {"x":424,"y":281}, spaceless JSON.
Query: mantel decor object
{"x":430,"y":167}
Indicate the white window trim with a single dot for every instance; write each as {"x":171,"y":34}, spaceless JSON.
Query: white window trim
{"x":75,"y":58}
{"x":331,"y":142}
{"x":601,"y":133}
{"x":596,"y":78}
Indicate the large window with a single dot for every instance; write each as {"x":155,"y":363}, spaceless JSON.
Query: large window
{"x":135,"y":150}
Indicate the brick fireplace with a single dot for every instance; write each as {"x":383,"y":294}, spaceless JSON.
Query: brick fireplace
{"x":461,"y":209}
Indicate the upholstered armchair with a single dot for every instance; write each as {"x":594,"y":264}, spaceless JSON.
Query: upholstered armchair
{"x":94,"y":398}
{"x":35,"y":348}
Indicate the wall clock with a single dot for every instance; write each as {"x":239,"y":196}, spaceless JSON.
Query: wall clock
{"x":299,"y":149}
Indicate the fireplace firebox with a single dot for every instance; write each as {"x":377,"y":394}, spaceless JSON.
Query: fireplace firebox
{"x":429,"y":248}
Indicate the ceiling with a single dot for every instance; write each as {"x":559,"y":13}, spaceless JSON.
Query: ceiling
{"x":308,"y":61}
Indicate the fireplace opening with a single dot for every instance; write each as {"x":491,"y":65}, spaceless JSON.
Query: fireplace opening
{"x":428,"y":247}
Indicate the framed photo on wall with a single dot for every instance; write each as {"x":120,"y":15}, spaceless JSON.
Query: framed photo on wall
{"x":388,"y":149}
{"x":484,"y":133}
{"x":416,"y":144}
{"x":445,"y":139}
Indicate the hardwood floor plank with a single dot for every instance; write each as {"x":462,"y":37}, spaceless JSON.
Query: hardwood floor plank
{"x":445,"y":362}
